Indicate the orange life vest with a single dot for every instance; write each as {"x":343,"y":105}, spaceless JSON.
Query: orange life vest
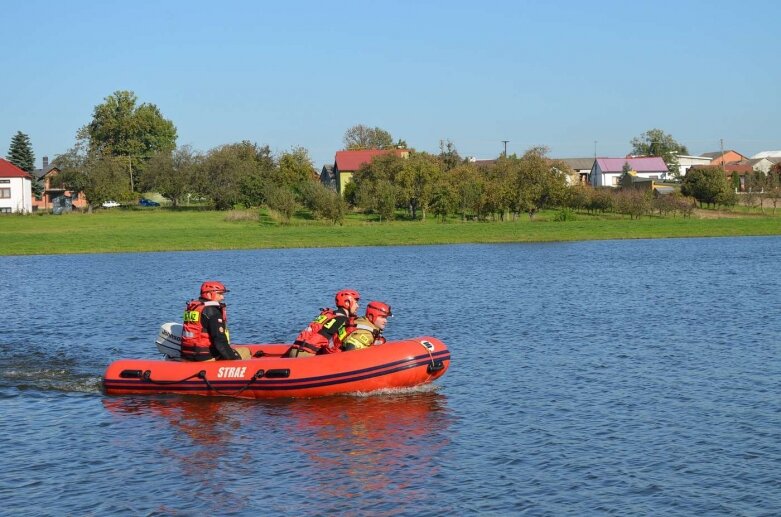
{"x":312,"y":340}
{"x":196,"y":343}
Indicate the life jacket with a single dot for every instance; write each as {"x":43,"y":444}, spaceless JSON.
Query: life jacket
{"x":311,"y":340}
{"x":196,"y":342}
{"x":364,"y":334}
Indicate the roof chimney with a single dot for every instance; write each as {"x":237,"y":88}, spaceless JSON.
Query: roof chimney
{"x":45,"y":163}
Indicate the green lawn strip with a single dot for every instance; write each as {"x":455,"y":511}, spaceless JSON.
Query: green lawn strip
{"x":170,"y":230}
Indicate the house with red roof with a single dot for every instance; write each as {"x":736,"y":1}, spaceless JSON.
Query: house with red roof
{"x":724,"y":157}
{"x":55,"y":198}
{"x":347,"y":162}
{"x":606,"y":172}
{"x":16,"y":190}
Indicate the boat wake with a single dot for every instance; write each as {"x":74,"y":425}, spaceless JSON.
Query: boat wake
{"x":389,"y":392}
{"x":23,"y":375}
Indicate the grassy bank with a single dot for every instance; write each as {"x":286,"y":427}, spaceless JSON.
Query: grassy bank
{"x":113,"y":231}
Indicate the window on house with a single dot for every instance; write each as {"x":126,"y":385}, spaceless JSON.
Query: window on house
{"x":615,"y":181}
{"x":5,"y":210}
{"x":5,"y":181}
{"x":5,"y":193}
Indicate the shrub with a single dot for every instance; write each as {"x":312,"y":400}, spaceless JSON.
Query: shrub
{"x":565,"y":214}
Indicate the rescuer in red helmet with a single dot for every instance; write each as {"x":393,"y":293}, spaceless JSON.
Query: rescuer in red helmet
{"x":368,"y":330}
{"x":325,"y":334}
{"x":205,"y":334}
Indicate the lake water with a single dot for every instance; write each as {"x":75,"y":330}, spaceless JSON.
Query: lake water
{"x":628,"y":377}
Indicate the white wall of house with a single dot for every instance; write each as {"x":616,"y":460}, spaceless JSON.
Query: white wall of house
{"x":684,"y":162}
{"x":763,"y":165}
{"x":16,"y":195}
{"x":611,"y":179}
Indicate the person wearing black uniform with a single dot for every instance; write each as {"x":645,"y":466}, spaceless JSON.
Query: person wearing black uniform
{"x":205,"y":333}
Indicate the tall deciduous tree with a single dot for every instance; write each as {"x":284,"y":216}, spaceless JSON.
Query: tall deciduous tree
{"x":416,"y":181}
{"x":172,"y":174}
{"x":656,"y":142}
{"x":365,"y":137}
{"x":20,"y":153}
{"x":226,"y":170}
{"x":295,"y":168}
{"x":121,"y":128}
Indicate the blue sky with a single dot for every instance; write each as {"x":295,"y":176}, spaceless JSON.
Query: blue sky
{"x":557,"y":73}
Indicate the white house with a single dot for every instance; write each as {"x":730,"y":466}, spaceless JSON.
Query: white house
{"x":686,"y":162}
{"x":763,"y":164}
{"x":16,"y":191}
{"x":607,"y":171}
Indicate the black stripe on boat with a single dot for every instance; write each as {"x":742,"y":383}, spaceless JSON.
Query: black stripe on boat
{"x":289,"y":384}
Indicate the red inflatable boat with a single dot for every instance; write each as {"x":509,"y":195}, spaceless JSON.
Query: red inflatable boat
{"x":395,"y":364}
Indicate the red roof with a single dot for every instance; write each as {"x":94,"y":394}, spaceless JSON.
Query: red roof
{"x":352,"y":160}
{"x":9,"y":170}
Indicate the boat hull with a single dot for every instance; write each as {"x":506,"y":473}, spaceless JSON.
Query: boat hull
{"x":396,"y":364}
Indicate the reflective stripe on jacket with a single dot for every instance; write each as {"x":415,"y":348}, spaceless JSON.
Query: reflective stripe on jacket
{"x":196,"y":341}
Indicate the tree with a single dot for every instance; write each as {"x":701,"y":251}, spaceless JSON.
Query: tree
{"x":99,"y":178}
{"x":444,"y":200}
{"x":448,"y":155}
{"x":120,"y":128}
{"x":468,"y":185}
{"x":416,"y":181}
{"x":20,"y":153}
{"x":364,"y":137}
{"x":708,"y":185}
{"x":172,"y":174}
{"x":656,"y":142}
{"x":540,"y":183}
{"x":225,"y":172}
{"x":295,"y":168}
{"x":376,"y":184}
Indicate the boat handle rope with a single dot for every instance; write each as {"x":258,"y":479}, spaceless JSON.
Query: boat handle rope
{"x":434,"y":366}
{"x":258,"y":375}
{"x":147,"y":376}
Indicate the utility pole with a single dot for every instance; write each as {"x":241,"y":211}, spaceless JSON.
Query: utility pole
{"x":595,"y":149}
{"x":505,"y":147}
{"x":721,"y":143}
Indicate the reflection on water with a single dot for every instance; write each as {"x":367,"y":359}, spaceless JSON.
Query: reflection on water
{"x":379,"y":448}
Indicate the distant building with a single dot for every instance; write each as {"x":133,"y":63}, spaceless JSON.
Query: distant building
{"x":55,"y":198}
{"x":606,"y":172}
{"x":347,"y":162}
{"x":16,"y":190}
{"x":581,"y":166}
{"x":767,"y":154}
{"x":328,"y":177}
{"x":763,"y":164}
{"x":686,"y":162}
{"x":723,"y":158}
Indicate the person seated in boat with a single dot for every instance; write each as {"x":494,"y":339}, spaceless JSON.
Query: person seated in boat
{"x":368,"y":330}
{"x":325,"y":334}
{"x":205,"y":335}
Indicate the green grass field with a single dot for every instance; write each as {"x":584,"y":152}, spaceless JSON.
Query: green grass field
{"x":129,"y":230}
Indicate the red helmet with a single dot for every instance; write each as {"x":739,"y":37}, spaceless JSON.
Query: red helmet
{"x":211,"y":286}
{"x":345,"y":296}
{"x":375,"y":309}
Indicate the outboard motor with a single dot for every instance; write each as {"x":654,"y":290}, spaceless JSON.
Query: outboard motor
{"x":169,"y":340}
